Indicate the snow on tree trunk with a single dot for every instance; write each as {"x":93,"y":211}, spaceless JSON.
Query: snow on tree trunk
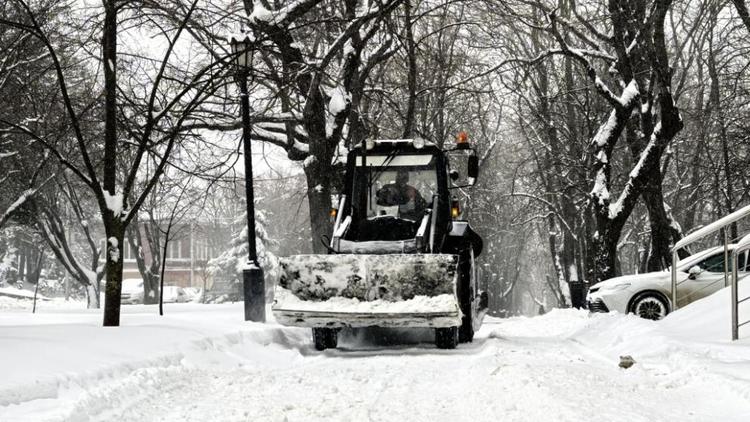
{"x":113,"y":287}
{"x":92,"y":297}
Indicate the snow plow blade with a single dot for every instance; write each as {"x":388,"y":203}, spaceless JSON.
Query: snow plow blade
{"x":367,"y":290}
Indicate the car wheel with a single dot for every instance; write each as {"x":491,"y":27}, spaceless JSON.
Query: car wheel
{"x":325,"y":338}
{"x":649,"y":306}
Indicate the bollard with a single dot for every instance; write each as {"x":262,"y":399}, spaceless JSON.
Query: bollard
{"x":254,"y":292}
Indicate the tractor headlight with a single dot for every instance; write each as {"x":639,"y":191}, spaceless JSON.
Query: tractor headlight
{"x":418,"y":142}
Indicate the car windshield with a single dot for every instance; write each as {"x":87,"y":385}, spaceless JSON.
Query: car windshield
{"x":399,"y":186}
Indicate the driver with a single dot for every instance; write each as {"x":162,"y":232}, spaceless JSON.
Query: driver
{"x":411,"y":205}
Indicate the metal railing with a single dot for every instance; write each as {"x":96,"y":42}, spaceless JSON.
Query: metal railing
{"x":712,"y":228}
{"x":742,"y":246}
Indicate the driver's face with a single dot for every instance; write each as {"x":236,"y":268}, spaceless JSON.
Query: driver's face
{"x":402,"y":177}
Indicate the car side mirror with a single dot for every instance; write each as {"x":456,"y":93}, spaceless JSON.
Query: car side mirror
{"x":473,"y":167}
{"x":694,"y":271}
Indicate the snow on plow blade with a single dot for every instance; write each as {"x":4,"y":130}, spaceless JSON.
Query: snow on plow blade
{"x":367,"y":290}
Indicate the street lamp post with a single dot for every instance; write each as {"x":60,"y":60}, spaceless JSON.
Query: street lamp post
{"x":253,"y":284}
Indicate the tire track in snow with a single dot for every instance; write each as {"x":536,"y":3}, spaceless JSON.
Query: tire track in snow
{"x":516,"y":370}
{"x":509,"y":379}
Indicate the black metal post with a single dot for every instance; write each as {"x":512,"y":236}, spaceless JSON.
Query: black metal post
{"x":253,"y":283}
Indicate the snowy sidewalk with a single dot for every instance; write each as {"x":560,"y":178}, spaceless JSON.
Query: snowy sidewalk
{"x":203,"y":363}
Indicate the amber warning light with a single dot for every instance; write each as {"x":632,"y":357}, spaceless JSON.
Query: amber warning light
{"x":462,"y":140}
{"x":455,"y":209}
{"x":333,"y":212}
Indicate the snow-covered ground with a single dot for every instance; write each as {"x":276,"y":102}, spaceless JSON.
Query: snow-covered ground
{"x":203,"y":363}
{"x":17,"y":299}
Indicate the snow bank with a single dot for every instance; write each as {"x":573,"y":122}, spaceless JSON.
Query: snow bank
{"x":56,"y":357}
{"x":709,"y":319}
{"x":20,"y":293}
{"x":26,"y":304}
{"x":693,"y":343}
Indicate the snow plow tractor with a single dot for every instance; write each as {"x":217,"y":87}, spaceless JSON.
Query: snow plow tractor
{"x":399,"y":254}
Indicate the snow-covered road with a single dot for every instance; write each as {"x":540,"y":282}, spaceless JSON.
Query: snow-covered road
{"x":562,"y":366}
{"x":497,"y":378}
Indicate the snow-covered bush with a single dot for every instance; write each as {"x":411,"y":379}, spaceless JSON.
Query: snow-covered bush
{"x":230,"y":263}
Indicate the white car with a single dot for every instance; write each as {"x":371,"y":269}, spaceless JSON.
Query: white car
{"x":132,"y":291}
{"x":175,"y":294}
{"x":649,"y":295}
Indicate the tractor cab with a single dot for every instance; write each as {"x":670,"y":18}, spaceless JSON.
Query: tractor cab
{"x":396,"y":199}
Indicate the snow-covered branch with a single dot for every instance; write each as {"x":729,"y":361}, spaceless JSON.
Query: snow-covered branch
{"x":623,"y":101}
{"x":551,"y":207}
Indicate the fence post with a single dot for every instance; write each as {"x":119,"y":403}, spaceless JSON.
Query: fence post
{"x":735,"y":307}
{"x":674,"y":280}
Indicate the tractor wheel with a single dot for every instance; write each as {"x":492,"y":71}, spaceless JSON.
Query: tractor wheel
{"x":446,"y":338}
{"x":466,"y":331}
{"x":325,"y":338}
{"x":465,"y":299}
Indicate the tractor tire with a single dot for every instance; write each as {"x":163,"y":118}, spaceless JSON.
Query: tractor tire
{"x":465,"y":299}
{"x":325,"y":338}
{"x":466,"y":330}
{"x":446,"y":338}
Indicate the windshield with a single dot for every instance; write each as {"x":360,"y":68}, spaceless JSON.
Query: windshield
{"x":399,"y":186}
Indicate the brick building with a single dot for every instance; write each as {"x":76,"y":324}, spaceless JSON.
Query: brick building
{"x":188,"y":253}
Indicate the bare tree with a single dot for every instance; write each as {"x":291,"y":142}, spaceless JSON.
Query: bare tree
{"x":319,"y":83}
{"x":111,"y":169}
{"x":61,"y":202}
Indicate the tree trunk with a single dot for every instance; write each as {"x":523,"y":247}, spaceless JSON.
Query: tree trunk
{"x":568,"y":210}
{"x":149,"y":270}
{"x":163,"y":265}
{"x":605,"y":247}
{"x":742,"y":11}
{"x":660,"y":255}
{"x":113,"y":286}
{"x":411,"y":56}
{"x":113,"y":227}
{"x":319,"y":198}
{"x":92,"y":297}
{"x":559,"y":272}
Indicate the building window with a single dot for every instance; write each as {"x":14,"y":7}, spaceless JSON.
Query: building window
{"x":201,"y":247}
{"x":127,"y":251}
{"x":173,"y":249}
